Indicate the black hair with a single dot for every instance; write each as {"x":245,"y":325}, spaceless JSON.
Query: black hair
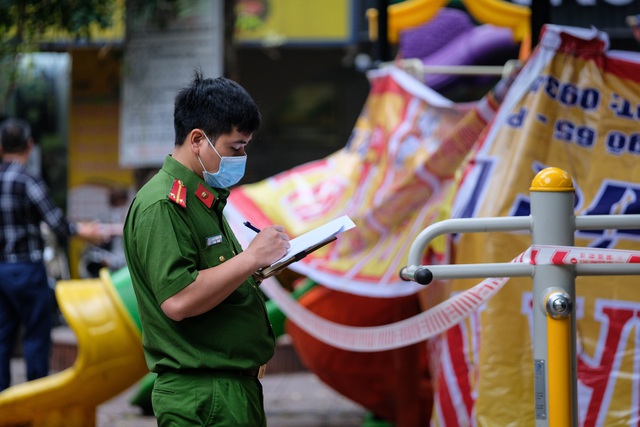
{"x":14,"y":135}
{"x":216,"y":106}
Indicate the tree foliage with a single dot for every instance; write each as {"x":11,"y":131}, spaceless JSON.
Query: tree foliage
{"x":24,"y":24}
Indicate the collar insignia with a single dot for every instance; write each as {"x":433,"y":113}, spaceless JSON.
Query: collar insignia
{"x":205,"y":196}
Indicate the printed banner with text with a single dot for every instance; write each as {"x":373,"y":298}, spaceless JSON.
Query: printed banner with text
{"x":575,"y":105}
{"x":392,"y":179}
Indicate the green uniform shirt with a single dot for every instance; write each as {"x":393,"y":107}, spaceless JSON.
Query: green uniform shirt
{"x":166,"y":244}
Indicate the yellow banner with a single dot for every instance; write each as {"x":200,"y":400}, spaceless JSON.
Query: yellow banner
{"x":281,"y":21}
{"x":574,"y":106}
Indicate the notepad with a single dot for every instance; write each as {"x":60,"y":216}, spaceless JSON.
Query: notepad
{"x":307,"y":243}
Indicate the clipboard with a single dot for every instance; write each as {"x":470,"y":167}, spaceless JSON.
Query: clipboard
{"x":307,"y":243}
{"x":277,"y":267}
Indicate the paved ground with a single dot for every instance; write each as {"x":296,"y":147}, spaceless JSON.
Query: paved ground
{"x":296,"y":399}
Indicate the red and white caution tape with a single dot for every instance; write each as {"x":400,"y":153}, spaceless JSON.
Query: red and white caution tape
{"x":438,"y":319}
{"x":564,"y":255}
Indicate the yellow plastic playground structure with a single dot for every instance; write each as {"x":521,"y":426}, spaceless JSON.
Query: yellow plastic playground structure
{"x":110,"y":359}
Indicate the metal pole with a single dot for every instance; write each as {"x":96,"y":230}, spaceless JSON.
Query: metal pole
{"x":540,"y":15}
{"x":382,"y":44}
{"x":554,"y":340}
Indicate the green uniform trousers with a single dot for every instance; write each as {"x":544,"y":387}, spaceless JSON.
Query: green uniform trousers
{"x":201,"y":398}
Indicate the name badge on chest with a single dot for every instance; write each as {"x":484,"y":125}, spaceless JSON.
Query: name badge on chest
{"x":214,"y":240}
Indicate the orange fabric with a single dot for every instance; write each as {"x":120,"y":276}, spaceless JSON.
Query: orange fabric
{"x":394,"y":385}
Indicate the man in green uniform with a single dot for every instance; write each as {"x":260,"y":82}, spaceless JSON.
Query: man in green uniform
{"x":205,"y":329}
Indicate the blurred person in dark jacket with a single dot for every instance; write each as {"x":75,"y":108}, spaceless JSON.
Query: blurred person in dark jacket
{"x":26,"y":298}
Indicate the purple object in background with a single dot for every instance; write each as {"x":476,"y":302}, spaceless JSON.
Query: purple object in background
{"x":470,"y":48}
{"x":426,"y":39}
{"x":450,"y":38}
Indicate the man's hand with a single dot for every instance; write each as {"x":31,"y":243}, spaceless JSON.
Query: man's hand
{"x":93,"y":232}
{"x":269,"y":245}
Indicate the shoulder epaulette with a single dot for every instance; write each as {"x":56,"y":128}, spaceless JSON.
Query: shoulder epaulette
{"x":178,"y":193}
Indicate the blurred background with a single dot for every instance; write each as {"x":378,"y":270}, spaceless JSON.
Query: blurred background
{"x":96,"y":79}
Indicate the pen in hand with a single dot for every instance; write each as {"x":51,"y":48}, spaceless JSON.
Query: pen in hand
{"x":251,"y":226}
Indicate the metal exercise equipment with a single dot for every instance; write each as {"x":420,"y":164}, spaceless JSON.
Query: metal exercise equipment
{"x":552,"y":222}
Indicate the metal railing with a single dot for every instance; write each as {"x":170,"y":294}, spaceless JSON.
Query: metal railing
{"x":552,"y":222}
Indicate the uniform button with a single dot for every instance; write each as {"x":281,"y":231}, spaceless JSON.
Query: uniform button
{"x":221,"y":258}
{"x":204,"y":195}
{"x":234,"y":253}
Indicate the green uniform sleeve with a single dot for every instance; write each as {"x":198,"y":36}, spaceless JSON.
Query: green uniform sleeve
{"x":165,"y":249}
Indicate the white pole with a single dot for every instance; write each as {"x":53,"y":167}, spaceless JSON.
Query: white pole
{"x":554,"y":339}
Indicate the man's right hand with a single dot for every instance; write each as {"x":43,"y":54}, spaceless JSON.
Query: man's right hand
{"x":269,"y":245}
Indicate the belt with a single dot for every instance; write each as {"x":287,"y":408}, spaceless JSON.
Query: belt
{"x":253,"y":373}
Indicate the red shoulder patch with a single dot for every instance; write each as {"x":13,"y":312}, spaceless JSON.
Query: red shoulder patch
{"x":205,"y":196}
{"x":178,"y":193}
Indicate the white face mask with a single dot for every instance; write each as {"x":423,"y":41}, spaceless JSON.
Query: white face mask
{"x":231,"y":169}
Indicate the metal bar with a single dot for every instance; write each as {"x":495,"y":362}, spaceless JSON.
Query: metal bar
{"x":416,"y":67}
{"x":463,"y":225}
{"x":597,"y":222}
{"x":607,"y":269}
{"x":481,"y":271}
{"x":488,"y":70}
{"x":469,"y":271}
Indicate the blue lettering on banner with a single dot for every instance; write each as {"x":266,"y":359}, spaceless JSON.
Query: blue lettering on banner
{"x":623,"y":108}
{"x":618,"y":143}
{"x":588,"y":99}
{"x":566,"y":131}
{"x":613,"y":197}
{"x":567,"y":94}
{"x":482,"y":173}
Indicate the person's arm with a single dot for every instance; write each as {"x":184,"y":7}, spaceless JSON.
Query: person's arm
{"x":53,"y":216}
{"x":161,"y":248}
{"x":215,"y":284}
{"x":92,"y":232}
